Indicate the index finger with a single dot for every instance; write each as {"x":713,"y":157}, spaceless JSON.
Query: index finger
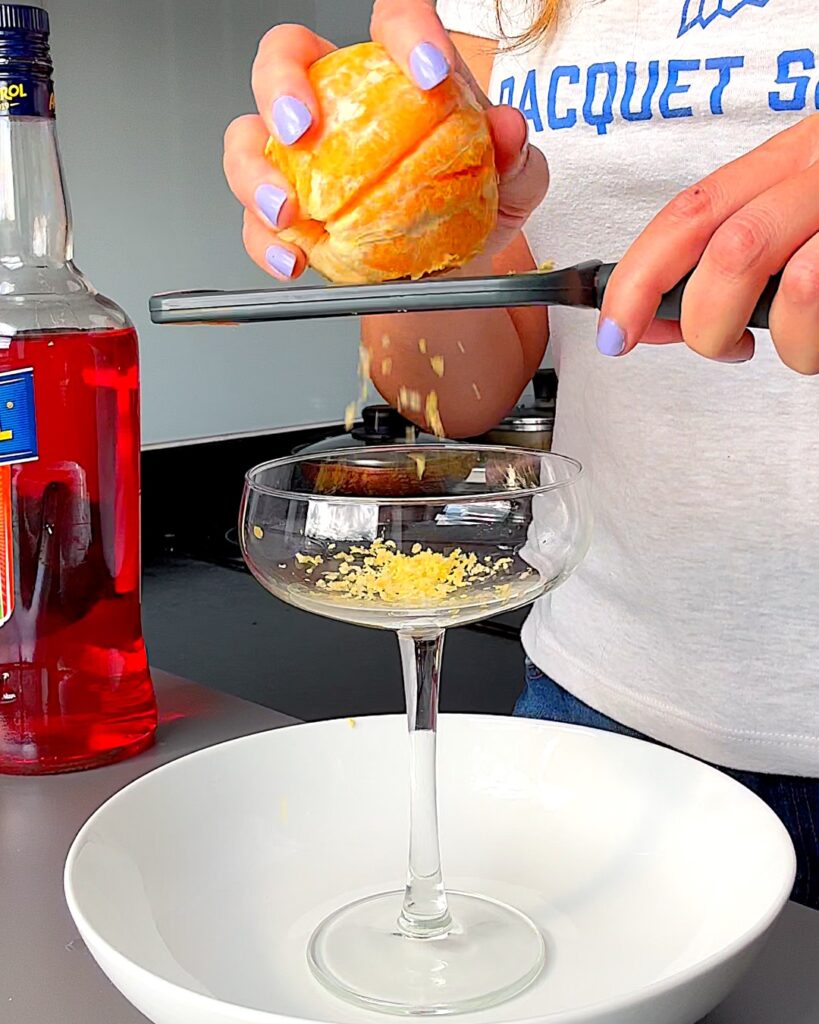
{"x":414,"y":37}
{"x":281,"y":86}
{"x":676,"y":238}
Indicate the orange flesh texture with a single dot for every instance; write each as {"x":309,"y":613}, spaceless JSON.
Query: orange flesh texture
{"x":395,"y":182}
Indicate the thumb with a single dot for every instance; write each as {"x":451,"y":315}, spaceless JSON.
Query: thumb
{"x":522,"y":168}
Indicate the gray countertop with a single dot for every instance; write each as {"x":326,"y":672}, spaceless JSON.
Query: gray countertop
{"x":48,"y":977}
{"x":46,"y":974}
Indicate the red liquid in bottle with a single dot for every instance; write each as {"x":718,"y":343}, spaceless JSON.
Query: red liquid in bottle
{"x":75,"y":690}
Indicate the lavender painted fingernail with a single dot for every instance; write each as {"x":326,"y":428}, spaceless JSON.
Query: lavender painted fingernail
{"x":282,"y":260}
{"x":611,"y":338}
{"x":428,"y":66}
{"x":291,"y":118}
{"x":270,"y":199}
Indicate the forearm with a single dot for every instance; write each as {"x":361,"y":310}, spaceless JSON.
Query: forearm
{"x":476,"y":362}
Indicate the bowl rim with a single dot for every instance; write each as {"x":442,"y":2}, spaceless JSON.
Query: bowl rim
{"x":578,"y":1015}
{"x":251,"y":486}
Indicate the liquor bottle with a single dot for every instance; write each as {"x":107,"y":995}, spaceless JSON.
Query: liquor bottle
{"x":75,"y":691}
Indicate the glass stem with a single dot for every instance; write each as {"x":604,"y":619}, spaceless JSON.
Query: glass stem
{"x":425,"y":914}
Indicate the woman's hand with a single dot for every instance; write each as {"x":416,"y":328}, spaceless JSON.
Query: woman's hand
{"x":741,"y":224}
{"x":416,"y":40}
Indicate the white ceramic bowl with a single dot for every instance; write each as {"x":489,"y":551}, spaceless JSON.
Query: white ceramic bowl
{"x":654,"y":878}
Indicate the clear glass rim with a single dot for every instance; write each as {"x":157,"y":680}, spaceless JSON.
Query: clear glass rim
{"x":577,"y":472}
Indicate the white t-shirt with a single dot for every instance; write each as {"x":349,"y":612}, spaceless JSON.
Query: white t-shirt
{"x":695,"y":616}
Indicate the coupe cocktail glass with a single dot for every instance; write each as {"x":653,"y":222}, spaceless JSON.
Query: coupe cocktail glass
{"x":416,"y":539}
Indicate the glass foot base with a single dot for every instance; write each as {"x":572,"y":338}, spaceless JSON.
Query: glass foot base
{"x":491,"y":953}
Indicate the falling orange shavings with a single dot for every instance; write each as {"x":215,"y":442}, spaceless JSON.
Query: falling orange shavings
{"x":408,"y":399}
{"x":437,"y":364}
{"x":409,"y":434}
{"x":420,"y":464}
{"x":422,"y":345}
{"x":364,"y":361}
{"x":364,"y":367}
{"x":381,"y":573}
{"x":258,"y":532}
{"x":386,"y":366}
{"x":476,"y":391}
{"x":461,"y":348}
{"x":433,"y":416}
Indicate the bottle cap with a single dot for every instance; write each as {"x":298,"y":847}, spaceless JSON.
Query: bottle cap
{"x":26,"y":89}
{"x":23,"y":18}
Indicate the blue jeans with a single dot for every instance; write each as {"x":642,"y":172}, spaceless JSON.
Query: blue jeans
{"x":794,"y":800}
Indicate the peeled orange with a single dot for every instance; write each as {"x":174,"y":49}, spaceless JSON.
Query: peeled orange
{"x":394,"y":182}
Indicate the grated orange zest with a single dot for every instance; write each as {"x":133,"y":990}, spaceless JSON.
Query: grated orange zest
{"x":380,"y":572}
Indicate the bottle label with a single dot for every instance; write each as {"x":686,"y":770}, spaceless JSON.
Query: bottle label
{"x":6,"y":546}
{"x":18,"y":443}
{"x":26,"y":96}
{"x":18,"y":423}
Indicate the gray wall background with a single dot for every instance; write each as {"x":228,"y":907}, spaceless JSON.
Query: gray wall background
{"x":145,"y":89}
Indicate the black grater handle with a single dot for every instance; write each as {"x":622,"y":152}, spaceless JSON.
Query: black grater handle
{"x":671,"y":303}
